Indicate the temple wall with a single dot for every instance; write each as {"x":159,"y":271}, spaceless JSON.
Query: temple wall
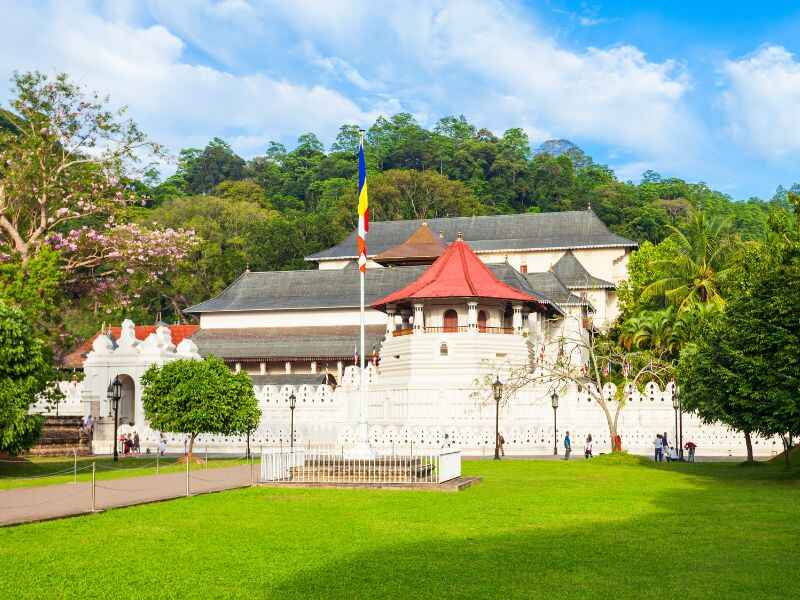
{"x":323,"y":317}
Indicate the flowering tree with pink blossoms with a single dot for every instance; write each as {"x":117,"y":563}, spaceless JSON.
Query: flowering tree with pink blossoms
{"x":67,"y":166}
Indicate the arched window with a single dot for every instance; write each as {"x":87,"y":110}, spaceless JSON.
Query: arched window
{"x":443,"y":349}
{"x":482,"y":320}
{"x":450,"y":320}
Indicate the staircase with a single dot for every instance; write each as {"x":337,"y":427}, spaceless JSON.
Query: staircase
{"x":61,"y":436}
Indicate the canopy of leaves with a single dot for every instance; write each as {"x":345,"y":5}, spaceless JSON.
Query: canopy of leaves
{"x":199,"y":396}
{"x":745,"y":368}
{"x":26,"y":374}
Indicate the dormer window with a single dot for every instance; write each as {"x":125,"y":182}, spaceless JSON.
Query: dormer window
{"x":443,"y":349}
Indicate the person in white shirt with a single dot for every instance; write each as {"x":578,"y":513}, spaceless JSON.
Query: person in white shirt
{"x":659,"y":448}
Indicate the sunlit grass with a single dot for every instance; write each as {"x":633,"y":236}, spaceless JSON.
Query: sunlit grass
{"x":532,"y":529}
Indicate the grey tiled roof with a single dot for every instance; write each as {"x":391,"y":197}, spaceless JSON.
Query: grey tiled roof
{"x":569,"y":229}
{"x":575,"y":276}
{"x":550,"y":285}
{"x":327,"y":288}
{"x":286,"y":342}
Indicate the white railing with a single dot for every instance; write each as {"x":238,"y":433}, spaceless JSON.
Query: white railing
{"x":305,"y":466}
{"x":449,"y":466}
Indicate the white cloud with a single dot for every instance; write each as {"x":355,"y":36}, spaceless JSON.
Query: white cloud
{"x":145,"y":68}
{"x":762,"y":101}
{"x":487,"y":59}
{"x":461,"y":56}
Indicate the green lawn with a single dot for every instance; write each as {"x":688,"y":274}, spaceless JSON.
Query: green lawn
{"x":532,"y":529}
{"x":37,"y":471}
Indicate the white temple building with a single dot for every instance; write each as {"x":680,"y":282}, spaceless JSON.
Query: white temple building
{"x":452,"y":300}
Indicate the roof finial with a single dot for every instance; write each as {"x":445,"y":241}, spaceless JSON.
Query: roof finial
{"x":247,"y":268}
{"x":589,"y":205}
{"x":460,"y":237}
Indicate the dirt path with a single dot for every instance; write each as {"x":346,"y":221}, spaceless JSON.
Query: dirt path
{"x":23,"y":505}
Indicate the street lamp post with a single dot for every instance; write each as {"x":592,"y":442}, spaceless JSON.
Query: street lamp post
{"x":292,"y":405}
{"x":554,"y":404}
{"x":114,"y":394}
{"x":497,"y":389}
{"x":676,"y":404}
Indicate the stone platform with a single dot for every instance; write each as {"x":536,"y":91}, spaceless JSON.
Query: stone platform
{"x":62,"y":436}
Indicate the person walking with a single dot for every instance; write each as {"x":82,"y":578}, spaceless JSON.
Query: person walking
{"x":665,"y":442}
{"x":137,"y":449}
{"x":658,"y":445}
{"x":690,"y":446}
{"x":567,"y":446}
{"x":587,"y":448}
{"x":162,"y":445}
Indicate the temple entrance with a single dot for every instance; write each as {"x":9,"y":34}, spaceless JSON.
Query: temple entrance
{"x":482,"y":321}
{"x":127,"y":404}
{"x":450,"y":320}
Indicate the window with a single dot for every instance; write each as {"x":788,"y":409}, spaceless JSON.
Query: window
{"x":482,"y":320}
{"x":523,"y":268}
{"x":450,"y":320}
{"x":443,"y":349}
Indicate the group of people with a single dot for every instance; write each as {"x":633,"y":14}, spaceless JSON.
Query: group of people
{"x":588,"y":446}
{"x":129,"y":443}
{"x":664,"y":450}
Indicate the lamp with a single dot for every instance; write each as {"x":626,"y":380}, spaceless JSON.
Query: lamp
{"x":554,"y":404}
{"x":497,"y":389}
{"x":292,"y":406}
{"x":114,"y":394}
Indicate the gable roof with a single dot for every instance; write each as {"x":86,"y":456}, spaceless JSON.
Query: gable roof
{"x":495,"y":233}
{"x":331,"y":288}
{"x":422,"y":245}
{"x":457,"y":273}
{"x":74,"y":360}
{"x":575,"y":276}
{"x":550,"y":285}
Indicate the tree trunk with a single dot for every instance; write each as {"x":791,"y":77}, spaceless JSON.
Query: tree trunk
{"x":191,"y":446}
{"x":787,"y":446}
{"x":749,"y":443}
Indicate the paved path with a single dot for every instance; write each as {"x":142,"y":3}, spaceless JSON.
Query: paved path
{"x":22,"y":505}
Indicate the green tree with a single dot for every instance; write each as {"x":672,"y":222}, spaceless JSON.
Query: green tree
{"x":199,"y":396}
{"x":26,"y":374}
{"x":699,"y":267}
{"x":215,"y":164}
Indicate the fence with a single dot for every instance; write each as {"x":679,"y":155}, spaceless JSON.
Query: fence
{"x":306,"y":466}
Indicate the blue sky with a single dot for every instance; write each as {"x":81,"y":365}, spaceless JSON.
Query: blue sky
{"x":707,"y":91}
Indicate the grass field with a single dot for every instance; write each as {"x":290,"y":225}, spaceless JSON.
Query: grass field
{"x":15,"y":473}
{"x":608,"y":529}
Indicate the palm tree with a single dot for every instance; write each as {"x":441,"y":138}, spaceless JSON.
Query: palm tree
{"x":694,"y":275}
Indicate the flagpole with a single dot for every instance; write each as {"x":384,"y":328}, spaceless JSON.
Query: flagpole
{"x":362,"y":449}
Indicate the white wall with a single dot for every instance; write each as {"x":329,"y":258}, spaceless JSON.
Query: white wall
{"x":290,"y":318}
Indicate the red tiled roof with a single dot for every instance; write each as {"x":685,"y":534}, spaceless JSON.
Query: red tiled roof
{"x":457,"y":273}
{"x":74,"y":360}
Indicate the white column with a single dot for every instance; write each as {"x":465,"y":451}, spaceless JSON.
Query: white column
{"x":237,"y":367}
{"x":517,"y":318}
{"x":419,"y":319}
{"x":288,"y":368}
{"x":313,"y":366}
{"x":339,"y":371}
{"x":390,"y":319}
{"x":472,"y":317}
{"x":262,"y":368}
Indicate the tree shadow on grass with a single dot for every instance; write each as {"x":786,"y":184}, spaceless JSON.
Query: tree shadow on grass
{"x":692,"y":544}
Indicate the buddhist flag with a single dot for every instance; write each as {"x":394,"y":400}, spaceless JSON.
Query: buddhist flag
{"x":363,"y":209}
